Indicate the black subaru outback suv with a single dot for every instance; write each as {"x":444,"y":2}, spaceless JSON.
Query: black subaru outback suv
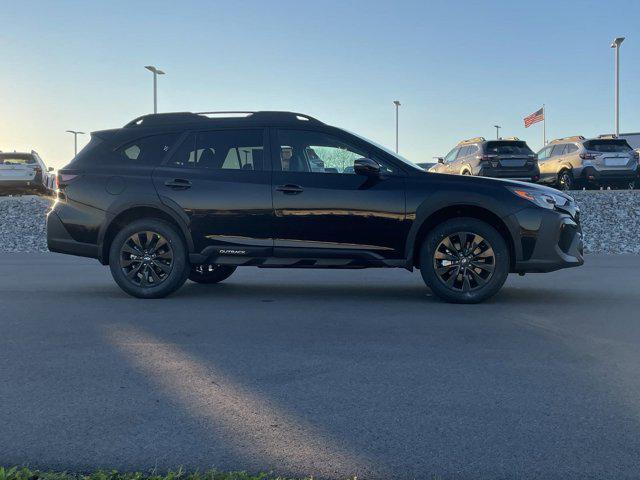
{"x":184,"y":195}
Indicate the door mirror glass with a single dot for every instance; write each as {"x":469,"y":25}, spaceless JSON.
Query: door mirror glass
{"x":367,"y":167}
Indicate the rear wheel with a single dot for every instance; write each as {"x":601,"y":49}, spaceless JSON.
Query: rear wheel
{"x":565,"y":180}
{"x":464,"y":260}
{"x":208,"y":273}
{"x":148,"y":259}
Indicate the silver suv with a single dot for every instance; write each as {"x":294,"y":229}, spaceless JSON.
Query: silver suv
{"x":576,"y":162}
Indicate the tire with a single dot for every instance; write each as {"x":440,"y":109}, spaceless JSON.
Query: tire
{"x":472,"y":282}
{"x":565,"y":180}
{"x":159,"y":255}
{"x":207,"y":273}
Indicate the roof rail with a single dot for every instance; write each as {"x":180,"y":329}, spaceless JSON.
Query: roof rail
{"x":510,"y":138}
{"x":153,"y":119}
{"x":575,"y":138}
{"x":472,"y":140}
{"x":608,"y":135}
{"x":190,"y":117}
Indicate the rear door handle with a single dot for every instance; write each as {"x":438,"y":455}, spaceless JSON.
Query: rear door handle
{"x":290,"y":189}
{"x":178,"y":183}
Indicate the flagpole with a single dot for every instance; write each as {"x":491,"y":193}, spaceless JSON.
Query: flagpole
{"x":544,"y":125}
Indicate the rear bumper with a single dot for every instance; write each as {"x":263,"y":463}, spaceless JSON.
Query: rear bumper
{"x":545,"y":240}
{"x":525,"y":175}
{"x":60,"y":241}
{"x":591,"y":175}
{"x":19,"y":185}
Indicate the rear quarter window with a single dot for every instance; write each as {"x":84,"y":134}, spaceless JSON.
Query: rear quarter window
{"x":147,"y":150}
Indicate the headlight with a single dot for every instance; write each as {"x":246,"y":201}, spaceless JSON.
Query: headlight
{"x":542,"y":199}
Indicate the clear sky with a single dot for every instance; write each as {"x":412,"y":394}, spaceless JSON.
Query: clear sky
{"x":458,"y":67}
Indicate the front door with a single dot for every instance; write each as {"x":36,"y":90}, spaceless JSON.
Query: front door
{"x":221,"y":179}
{"x":323,"y":208}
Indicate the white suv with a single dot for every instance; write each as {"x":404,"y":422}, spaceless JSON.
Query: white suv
{"x":24,"y":173}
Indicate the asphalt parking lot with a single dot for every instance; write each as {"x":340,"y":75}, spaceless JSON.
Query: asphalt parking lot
{"x":330,"y":373}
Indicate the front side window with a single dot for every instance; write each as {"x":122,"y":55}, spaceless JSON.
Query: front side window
{"x":222,"y":150}
{"x":318,"y":152}
{"x":148,"y":150}
{"x":464,"y":151}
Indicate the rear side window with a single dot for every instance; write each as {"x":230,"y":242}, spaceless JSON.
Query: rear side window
{"x":148,"y":150}
{"x":507,"y":148}
{"x":571,"y":148}
{"x":607,"y":146}
{"x":222,"y":150}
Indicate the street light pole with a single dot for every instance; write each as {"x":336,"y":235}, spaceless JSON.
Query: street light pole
{"x":498,"y":127}
{"x":397,"y":104}
{"x":616,"y":45}
{"x":75,"y":140}
{"x":155,"y":72}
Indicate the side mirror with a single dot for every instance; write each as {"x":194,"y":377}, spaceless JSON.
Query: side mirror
{"x":50,"y":169}
{"x":440,"y":159}
{"x":367,"y":167}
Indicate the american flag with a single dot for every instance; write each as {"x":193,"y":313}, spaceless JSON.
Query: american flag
{"x":535,"y":117}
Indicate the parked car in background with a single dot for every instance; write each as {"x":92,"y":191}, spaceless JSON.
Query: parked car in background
{"x":505,"y":158}
{"x":425,"y":165}
{"x":182,"y":195}
{"x":576,"y":162}
{"x":24,"y":173}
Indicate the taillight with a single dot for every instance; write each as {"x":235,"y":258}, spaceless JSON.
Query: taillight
{"x":588,"y":156}
{"x":62,"y":179}
{"x":636,"y":155}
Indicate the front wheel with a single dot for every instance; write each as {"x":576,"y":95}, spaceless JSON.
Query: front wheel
{"x":149,"y":259}
{"x":464,"y":260}
{"x":207,"y":273}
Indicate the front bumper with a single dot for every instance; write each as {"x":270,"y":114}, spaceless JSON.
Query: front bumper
{"x":546,"y":240}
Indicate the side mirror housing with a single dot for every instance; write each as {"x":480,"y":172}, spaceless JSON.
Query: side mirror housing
{"x":50,"y":169}
{"x":367,"y":167}
{"x":440,"y":159}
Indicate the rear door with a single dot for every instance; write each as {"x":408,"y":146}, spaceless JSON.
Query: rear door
{"x":324,"y":209}
{"x":221,"y":180}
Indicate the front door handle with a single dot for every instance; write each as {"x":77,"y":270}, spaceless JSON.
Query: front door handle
{"x":178,"y":183}
{"x":290,"y":189}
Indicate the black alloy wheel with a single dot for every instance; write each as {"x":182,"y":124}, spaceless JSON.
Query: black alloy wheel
{"x":146,"y":259}
{"x":464,"y":261}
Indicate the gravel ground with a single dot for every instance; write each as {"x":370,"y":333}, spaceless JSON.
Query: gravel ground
{"x":22,"y":223}
{"x":610,"y":221}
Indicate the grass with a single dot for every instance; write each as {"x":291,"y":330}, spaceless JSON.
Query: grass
{"x":24,"y":473}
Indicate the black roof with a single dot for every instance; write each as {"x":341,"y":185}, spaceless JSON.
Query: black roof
{"x":263,"y":117}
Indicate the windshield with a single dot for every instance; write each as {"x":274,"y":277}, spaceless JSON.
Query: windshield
{"x":12,"y":159}
{"x":508,"y":148}
{"x":406,"y":161}
{"x":607,"y":146}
